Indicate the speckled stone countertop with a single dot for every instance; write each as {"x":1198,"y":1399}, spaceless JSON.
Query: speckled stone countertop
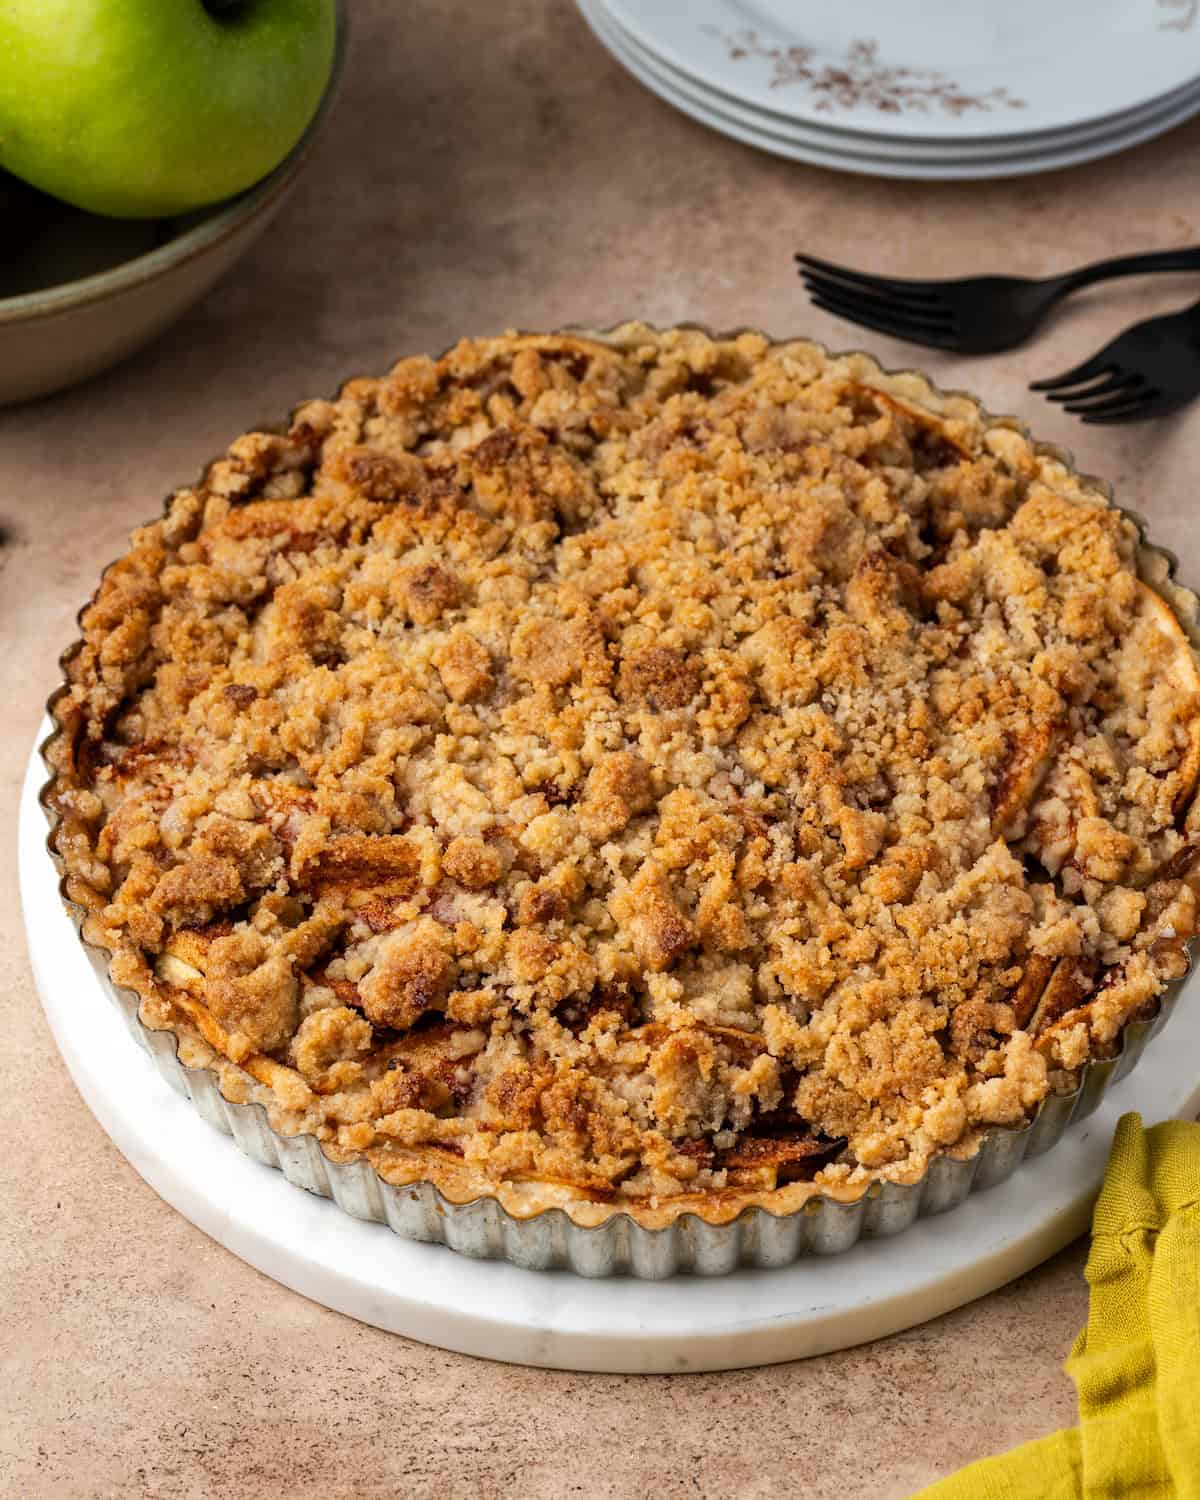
{"x":490,"y":167}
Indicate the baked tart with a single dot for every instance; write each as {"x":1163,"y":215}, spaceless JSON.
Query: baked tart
{"x":636,"y":772}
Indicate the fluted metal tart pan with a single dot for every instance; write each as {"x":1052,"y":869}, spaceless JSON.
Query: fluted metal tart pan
{"x":550,"y":1239}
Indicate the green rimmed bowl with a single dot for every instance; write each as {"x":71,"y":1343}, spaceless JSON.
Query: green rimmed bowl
{"x":80,"y":293}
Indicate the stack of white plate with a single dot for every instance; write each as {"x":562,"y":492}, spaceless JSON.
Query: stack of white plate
{"x":918,"y":88}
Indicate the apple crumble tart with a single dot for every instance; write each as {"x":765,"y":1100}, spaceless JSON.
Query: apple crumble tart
{"x":641,"y":771}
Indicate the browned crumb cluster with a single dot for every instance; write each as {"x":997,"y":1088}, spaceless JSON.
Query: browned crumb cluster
{"x":641,"y":770}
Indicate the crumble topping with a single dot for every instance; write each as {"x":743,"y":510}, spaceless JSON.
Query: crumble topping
{"x":643,"y":771}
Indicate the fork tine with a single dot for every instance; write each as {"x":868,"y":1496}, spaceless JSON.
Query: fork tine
{"x":925,"y":312}
{"x":893,"y":327}
{"x":1123,"y":402}
{"x":859,"y":310}
{"x":921,"y":289}
{"x":1099,"y":364}
{"x":1137,"y":409}
{"x":1117,"y":381}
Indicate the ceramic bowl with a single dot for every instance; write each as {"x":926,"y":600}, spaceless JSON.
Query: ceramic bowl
{"x":79,"y":293}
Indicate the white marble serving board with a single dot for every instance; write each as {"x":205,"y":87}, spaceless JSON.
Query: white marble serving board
{"x":556,"y":1319}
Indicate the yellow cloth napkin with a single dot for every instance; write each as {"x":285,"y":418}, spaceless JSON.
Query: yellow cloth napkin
{"x":1136,"y":1365}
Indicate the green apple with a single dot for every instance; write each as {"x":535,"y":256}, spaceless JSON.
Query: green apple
{"x":148,"y":108}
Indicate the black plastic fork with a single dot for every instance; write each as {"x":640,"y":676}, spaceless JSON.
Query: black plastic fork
{"x":1149,"y":370}
{"x":975,"y":315}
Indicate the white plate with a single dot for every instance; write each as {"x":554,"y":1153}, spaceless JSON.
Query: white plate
{"x":555,"y":1319}
{"x":938,"y":69}
{"x":768,"y":136}
{"x":1116,"y":128}
{"x":847,"y":139}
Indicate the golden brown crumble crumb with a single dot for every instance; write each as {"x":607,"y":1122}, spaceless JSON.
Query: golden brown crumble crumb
{"x":639,"y":770}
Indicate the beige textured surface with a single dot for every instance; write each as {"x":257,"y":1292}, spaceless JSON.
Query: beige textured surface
{"x":488,"y":166}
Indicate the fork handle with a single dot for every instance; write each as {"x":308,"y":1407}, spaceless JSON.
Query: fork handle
{"x":1124,"y":265}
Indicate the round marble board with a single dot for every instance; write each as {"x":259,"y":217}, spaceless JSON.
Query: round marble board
{"x":556,"y":1319}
